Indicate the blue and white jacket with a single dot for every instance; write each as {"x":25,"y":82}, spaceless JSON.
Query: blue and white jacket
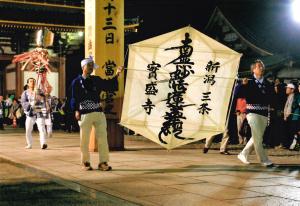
{"x":85,"y":93}
{"x":260,"y":97}
{"x":40,"y":108}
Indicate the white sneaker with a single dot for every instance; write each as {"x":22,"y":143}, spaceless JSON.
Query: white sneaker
{"x":267,"y":164}
{"x":28,"y":147}
{"x":243,"y":159}
{"x":293,"y":145}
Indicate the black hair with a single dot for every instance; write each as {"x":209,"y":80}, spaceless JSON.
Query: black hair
{"x":29,"y":79}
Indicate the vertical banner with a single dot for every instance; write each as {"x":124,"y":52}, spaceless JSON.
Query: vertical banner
{"x":104,"y":29}
{"x":104,"y":40}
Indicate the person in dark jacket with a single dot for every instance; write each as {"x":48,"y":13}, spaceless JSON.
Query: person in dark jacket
{"x":85,"y":101}
{"x":259,"y":95}
{"x":2,"y":109}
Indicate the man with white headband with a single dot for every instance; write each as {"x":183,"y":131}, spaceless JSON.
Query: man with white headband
{"x":85,"y":101}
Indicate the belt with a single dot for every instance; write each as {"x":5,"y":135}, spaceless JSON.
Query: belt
{"x":256,"y":107}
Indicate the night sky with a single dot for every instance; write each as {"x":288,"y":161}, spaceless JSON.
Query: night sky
{"x":161,"y":16}
{"x":270,"y":21}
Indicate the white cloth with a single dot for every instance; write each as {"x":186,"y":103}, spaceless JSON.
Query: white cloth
{"x":1,"y":109}
{"x":288,"y":106}
{"x":88,"y":60}
{"x":259,"y":80}
{"x":258,"y":124}
{"x":8,"y":102}
{"x":48,"y":124}
{"x":30,"y":121}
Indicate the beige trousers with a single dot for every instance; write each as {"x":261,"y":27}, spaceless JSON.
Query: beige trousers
{"x":98,"y":120}
{"x":258,"y":124}
{"x":224,"y":142}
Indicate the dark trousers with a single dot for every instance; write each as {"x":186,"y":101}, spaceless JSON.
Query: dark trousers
{"x":71,"y":123}
{"x":276,"y":130}
{"x":1,"y":123}
{"x":291,"y":128}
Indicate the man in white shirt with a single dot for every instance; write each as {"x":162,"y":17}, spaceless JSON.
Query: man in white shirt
{"x":34,"y":105}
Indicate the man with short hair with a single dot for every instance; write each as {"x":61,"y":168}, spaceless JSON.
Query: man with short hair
{"x":296,"y":120}
{"x":85,"y":101}
{"x":259,"y":95}
{"x":35,"y":108}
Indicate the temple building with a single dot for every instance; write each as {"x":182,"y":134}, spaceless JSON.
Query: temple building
{"x":19,"y":22}
{"x":272,"y":39}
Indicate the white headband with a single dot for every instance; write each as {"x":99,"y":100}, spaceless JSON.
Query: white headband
{"x":88,"y":60}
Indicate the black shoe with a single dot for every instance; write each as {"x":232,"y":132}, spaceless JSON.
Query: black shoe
{"x":87,"y":166}
{"x":225,"y":153}
{"x":103,"y":166}
{"x":205,"y":150}
{"x":44,"y":146}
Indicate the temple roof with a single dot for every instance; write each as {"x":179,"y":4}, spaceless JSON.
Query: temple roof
{"x":35,"y":15}
{"x":258,"y":29}
{"x":19,"y":19}
{"x":56,"y":15}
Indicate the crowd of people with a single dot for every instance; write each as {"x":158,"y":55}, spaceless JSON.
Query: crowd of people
{"x":80,"y":112}
{"x":283,"y":123}
{"x":12,"y":114}
{"x":267,"y":116}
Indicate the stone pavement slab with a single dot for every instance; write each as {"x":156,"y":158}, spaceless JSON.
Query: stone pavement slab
{"x":268,"y":201}
{"x":146,"y":174}
{"x":236,"y":182}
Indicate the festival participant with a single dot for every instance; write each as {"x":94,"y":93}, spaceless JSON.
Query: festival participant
{"x":85,"y":102}
{"x":291,"y":116}
{"x":259,"y":95}
{"x":223,"y":146}
{"x":48,"y":119}
{"x":34,"y":105}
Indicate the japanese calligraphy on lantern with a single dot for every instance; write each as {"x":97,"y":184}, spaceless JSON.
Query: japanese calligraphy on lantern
{"x":178,"y":87}
{"x":209,"y":78}
{"x":175,"y":102}
{"x":151,"y":87}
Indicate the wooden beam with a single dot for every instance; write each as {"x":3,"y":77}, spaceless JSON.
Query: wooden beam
{"x":38,"y":25}
{"x":43,"y":4}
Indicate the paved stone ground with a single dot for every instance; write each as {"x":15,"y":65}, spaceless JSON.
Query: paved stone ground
{"x":146,"y":174}
{"x":21,"y":187}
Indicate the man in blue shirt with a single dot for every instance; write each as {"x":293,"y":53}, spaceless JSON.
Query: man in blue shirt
{"x":85,"y":101}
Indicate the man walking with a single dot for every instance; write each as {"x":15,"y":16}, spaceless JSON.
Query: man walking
{"x":259,"y":95}
{"x":35,"y":108}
